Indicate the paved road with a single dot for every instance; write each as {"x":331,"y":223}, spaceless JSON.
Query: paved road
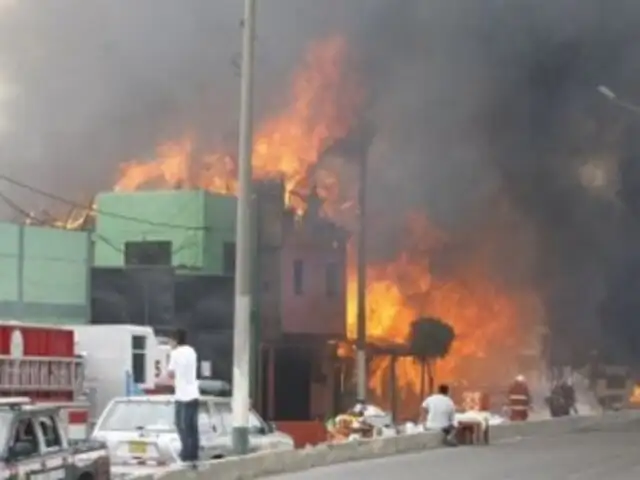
{"x":611,"y":454}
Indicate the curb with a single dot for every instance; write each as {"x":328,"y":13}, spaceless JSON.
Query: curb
{"x":271,"y":463}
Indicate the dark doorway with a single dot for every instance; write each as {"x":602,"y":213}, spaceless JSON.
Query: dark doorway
{"x":292,"y":384}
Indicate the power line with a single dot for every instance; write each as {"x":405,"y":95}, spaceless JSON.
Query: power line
{"x":13,"y":205}
{"x":92,"y":209}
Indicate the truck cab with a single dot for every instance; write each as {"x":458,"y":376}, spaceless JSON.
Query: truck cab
{"x":33,"y":444}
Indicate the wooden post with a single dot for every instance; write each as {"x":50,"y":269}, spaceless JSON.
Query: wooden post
{"x":392,"y":386}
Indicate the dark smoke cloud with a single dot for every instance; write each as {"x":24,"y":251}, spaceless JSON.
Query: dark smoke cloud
{"x":494,"y":96}
{"x":473,"y":101}
{"x":104,"y":81}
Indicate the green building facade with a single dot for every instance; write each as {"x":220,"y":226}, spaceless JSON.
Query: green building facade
{"x":45,"y":274}
{"x":196,"y":227}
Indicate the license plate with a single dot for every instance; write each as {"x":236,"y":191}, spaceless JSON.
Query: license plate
{"x":137,"y":448}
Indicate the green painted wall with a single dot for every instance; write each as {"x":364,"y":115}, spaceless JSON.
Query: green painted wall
{"x":195,"y":222}
{"x":220,"y":215}
{"x":45,"y":274}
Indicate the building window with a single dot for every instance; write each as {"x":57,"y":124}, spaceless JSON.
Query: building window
{"x":138,"y":358}
{"x":332,"y":280}
{"x":229,"y":258}
{"x":298,"y":277}
{"x":147,"y":253}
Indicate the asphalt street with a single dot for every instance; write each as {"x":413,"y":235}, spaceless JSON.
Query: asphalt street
{"x":606,"y":454}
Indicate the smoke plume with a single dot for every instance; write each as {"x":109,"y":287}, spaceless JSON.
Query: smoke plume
{"x":97,"y":83}
{"x":486,"y":113}
{"x":491,"y":98}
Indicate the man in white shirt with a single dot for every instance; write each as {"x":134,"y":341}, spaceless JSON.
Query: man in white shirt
{"x":440,"y":413}
{"x":182,"y":369}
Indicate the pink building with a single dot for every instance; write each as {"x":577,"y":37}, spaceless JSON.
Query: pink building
{"x":302,"y":307}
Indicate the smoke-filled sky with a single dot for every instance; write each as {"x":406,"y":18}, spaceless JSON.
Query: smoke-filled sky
{"x":474,"y":101}
{"x":103,"y":81}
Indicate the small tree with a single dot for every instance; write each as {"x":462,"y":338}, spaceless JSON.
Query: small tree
{"x":430,"y":339}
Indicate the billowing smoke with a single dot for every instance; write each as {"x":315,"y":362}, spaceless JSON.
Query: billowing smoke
{"x":477,"y":104}
{"x":97,"y":83}
{"x":492,"y":98}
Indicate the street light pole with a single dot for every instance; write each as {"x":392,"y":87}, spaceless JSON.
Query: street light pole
{"x":242,"y":308}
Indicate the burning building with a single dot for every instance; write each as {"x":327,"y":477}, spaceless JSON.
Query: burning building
{"x":165,"y":270}
{"x":495,"y":322}
{"x":503,"y":186}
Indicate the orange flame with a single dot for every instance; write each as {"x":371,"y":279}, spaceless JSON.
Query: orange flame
{"x":325,"y":101}
{"x":494,"y":328}
{"x":635,"y":395}
{"x":323,"y":108}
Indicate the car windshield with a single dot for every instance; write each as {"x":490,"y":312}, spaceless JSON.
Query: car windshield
{"x":133,"y":415}
{"x":255,"y":424}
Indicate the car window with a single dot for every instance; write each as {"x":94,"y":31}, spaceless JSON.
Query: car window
{"x":135,"y":415}
{"x":25,"y":440}
{"x":50,"y":433}
{"x":224,"y":408}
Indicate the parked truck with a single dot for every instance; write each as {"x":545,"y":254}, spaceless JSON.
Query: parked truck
{"x":40,"y":362}
{"x":34,"y":445}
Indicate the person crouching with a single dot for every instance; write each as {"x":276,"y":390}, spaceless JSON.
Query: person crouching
{"x":438,"y":414}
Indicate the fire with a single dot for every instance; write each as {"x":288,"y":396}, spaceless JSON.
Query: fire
{"x":492,"y":326}
{"x":635,"y":395}
{"x":324,"y":105}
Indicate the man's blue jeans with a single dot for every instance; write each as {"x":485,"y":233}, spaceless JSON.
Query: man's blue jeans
{"x":187,"y":426}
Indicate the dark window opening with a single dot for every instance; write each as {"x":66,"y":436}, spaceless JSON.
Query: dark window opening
{"x":298,"y":277}
{"x":50,"y":432}
{"x":332,"y":280}
{"x":229,"y":258}
{"x":147,"y":253}
{"x":138,"y":358}
{"x":25,"y":435}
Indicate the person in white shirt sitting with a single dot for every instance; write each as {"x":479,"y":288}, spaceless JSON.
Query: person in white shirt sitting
{"x":439,"y":413}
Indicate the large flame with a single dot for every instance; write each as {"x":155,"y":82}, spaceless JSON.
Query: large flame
{"x":324,"y":104}
{"x":496,"y":330}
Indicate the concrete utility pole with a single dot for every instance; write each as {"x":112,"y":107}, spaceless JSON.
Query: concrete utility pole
{"x":243,"y":284}
{"x":361,"y":339}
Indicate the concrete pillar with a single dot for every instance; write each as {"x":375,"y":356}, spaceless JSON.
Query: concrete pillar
{"x":271,"y":382}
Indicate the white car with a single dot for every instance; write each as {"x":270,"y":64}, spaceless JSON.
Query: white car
{"x":140,"y":430}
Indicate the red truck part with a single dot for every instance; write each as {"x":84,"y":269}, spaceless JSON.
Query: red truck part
{"x":39,"y":362}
